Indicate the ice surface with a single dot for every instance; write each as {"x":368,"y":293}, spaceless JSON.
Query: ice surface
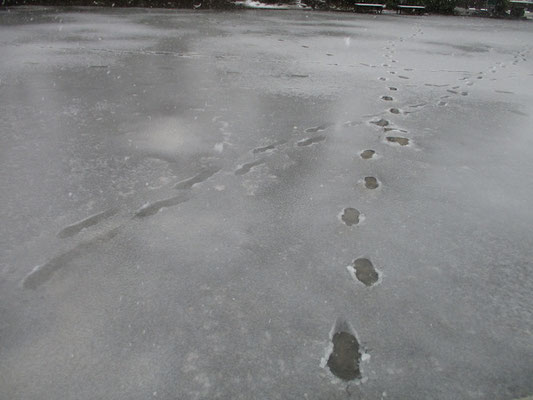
{"x":246,"y":136}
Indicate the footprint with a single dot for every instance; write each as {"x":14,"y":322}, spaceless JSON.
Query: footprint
{"x":442,"y":103}
{"x":367,"y":154}
{"x":381,"y":122}
{"x":393,"y":88}
{"x":310,"y":141}
{"x":345,"y":357}
{"x":403,"y":77}
{"x":387,"y":98}
{"x":382,"y":79}
{"x":269,"y":147}
{"x":77,"y":227}
{"x":42,"y":273}
{"x":394,"y":111}
{"x":452,"y":91}
{"x":201,"y":177}
{"x":350,"y":216}
{"x":504,"y":91}
{"x":464,"y":93}
{"x":245,"y":168}
{"x":316,"y":129}
{"x":364,"y":271}
{"x":371,"y":182}
{"x":399,"y":140}
{"x":153,"y":208}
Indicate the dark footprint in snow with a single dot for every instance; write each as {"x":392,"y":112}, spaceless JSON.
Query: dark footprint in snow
{"x":371,"y":182}
{"x":201,"y":177}
{"x":452,"y":91}
{"x":394,"y":111}
{"x":393,"y":88}
{"x":442,"y":103}
{"x":350,"y":216}
{"x":245,"y":168}
{"x":464,"y":93}
{"x":399,"y":140}
{"x":381,"y":122}
{"x":42,"y":273}
{"x":382,"y":79}
{"x":403,"y":77}
{"x":344,"y":360}
{"x":310,"y":141}
{"x":77,"y":227}
{"x":364,"y":271}
{"x":269,"y":147}
{"x":387,"y":98}
{"x":153,"y":208}
{"x":316,"y":129}
{"x":367,"y":154}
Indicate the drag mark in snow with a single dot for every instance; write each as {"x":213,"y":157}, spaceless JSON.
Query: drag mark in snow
{"x":310,"y":141}
{"x":153,"y":208}
{"x":245,"y":168}
{"x":77,"y":227}
{"x":42,"y":273}
{"x":316,"y":129}
{"x":200,"y":177}
{"x":269,"y":147}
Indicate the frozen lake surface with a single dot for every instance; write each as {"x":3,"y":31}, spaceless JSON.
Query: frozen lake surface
{"x":265,"y":205}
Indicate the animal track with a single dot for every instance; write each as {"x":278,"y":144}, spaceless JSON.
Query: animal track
{"x":77,"y":227}
{"x":153,"y":208}
{"x":371,"y":182}
{"x":367,"y":154}
{"x":382,"y":122}
{"x":310,"y":141}
{"x":201,"y":177}
{"x":42,"y":273}
{"x":393,"y":88}
{"x":364,"y":271}
{"x":350,"y":216}
{"x":245,"y":168}
{"x":394,"y":111}
{"x":387,"y":98}
{"x":403,"y":77}
{"x":399,"y":140}
{"x":345,"y":357}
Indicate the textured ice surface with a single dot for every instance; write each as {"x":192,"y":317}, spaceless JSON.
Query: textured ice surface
{"x":247,"y":136}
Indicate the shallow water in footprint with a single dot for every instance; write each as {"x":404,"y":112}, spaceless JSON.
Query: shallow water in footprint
{"x":400,"y":140}
{"x":365,"y":271}
{"x":350,"y":216}
{"x":344,"y":360}
{"x":371,"y":182}
{"x":367,"y":154}
{"x":381,"y":122}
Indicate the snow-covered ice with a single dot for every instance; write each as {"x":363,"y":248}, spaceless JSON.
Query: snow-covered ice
{"x":191,"y":186}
